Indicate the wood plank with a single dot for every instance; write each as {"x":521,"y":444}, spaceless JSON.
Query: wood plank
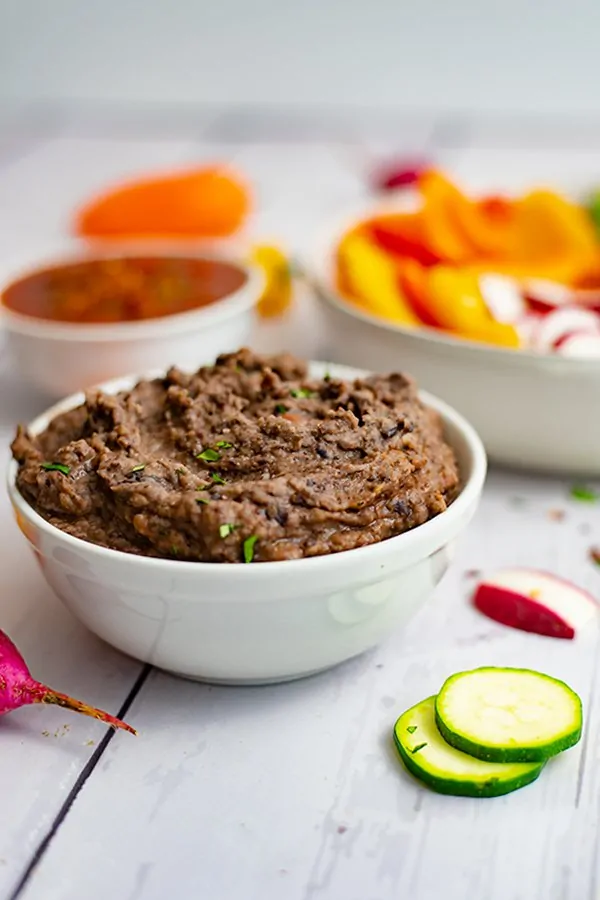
{"x":296,"y":791}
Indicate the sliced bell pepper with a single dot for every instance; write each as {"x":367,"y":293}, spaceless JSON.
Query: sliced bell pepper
{"x":464,"y":228}
{"x":548,"y":230}
{"x":402,"y":235}
{"x":412,"y":279}
{"x":455,"y":301}
{"x":372,"y":279}
{"x":277,"y":293}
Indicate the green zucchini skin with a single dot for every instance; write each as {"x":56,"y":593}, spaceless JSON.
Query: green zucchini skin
{"x":507,"y":778}
{"x":538,"y":751}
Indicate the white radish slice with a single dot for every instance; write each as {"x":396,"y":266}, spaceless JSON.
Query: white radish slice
{"x":503,"y":298}
{"x":558,"y":324}
{"x":544,"y":296}
{"x":579,"y":344}
{"x":527,"y":328}
{"x":535,"y":601}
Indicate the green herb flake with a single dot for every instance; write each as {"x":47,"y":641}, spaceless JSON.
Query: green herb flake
{"x":217,"y":478}
{"x":595,"y":555}
{"x":209,"y":455}
{"x":418,"y":747}
{"x":248,"y":548}
{"x":302,"y":393}
{"x":56,"y":467}
{"x":202,"y":499}
{"x":175,"y":552}
{"x":411,"y":729}
{"x":280,"y":409}
{"x":584,"y":494}
{"x":224,"y":445}
{"x":226,"y":529}
{"x":139,"y":468}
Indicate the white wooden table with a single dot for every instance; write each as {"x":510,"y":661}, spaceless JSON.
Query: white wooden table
{"x":291,"y":792}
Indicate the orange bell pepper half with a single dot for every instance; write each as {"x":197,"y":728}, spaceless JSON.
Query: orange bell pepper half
{"x":208,"y":202}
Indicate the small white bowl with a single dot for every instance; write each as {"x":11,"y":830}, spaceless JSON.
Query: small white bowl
{"x":60,"y":358}
{"x":534,"y":411}
{"x":263,"y":622}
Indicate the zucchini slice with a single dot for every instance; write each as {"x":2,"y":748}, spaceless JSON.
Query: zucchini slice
{"x":448,"y":771}
{"x":508,"y":715}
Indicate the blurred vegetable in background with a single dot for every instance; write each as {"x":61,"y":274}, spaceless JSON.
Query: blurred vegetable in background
{"x":209,"y":202}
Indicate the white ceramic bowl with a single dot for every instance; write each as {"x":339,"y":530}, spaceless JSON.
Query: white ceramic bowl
{"x":531,"y":410}
{"x":265,"y":622}
{"x":60,"y":358}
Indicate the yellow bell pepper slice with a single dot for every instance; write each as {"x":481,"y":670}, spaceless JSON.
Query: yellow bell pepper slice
{"x":455,"y":301}
{"x":372,"y":279}
{"x":277,"y":293}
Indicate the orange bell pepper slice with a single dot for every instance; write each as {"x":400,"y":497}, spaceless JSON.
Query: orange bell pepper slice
{"x":548,"y":230}
{"x":208,"y":202}
{"x":462,"y":229}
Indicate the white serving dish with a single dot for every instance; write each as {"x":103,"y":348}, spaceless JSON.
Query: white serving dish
{"x":535,"y":411}
{"x":255,"y":623}
{"x":61,"y":358}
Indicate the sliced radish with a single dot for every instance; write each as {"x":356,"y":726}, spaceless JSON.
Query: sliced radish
{"x":394,"y":175}
{"x":544,"y":296}
{"x":587,"y":298}
{"x":579,"y":344}
{"x":535,"y":601}
{"x":527,"y":328}
{"x":562,"y":322}
{"x":503,"y":298}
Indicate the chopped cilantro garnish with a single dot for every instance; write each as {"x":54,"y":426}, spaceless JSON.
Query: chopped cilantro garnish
{"x":280,"y":409}
{"x":581,"y":492}
{"x":217,"y":478}
{"x":202,"y":499}
{"x":139,"y":468}
{"x":209,"y":455}
{"x":248,"y":547}
{"x":225,"y":445}
{"x":301,"y":393}
{"x":56,"y":467}
{"x":226,"y":529}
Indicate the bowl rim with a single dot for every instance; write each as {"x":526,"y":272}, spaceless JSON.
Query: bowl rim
{"x":319,"y":268}
{"x":425,"y":534}
{"x":229,"y":305}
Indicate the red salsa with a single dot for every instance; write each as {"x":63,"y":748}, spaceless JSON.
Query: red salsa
{"x":125,"y":289}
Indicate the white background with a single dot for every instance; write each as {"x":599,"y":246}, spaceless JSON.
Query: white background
{"x":509,"y":56}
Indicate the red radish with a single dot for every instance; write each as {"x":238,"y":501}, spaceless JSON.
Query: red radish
{"x":503,"y":298}
{"x":580,"y":344}
{"x":18,"y":688}
{"x":562,"y":322}
{"x":535,"y":601}
{"x":396,"y":174}
{"x":544,"y":296}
